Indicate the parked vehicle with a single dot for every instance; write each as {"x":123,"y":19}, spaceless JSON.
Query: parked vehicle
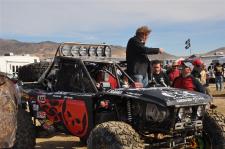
{"x":88,"y":94}
{"x":10,"y":63}
{"x":222,"y":61}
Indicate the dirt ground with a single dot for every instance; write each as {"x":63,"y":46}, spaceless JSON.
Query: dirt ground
{"x":218,"y":98}
{"x":59,"y":141}
{"x":62,"y":141}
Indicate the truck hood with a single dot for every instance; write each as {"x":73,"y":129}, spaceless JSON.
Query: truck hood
{"x":165,"y":96}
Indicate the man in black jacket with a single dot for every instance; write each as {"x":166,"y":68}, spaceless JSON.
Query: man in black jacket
{"x":159,"y":77}
{"x":136,"y":55}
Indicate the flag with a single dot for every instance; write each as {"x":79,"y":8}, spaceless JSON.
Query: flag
{"x":188,"y":44}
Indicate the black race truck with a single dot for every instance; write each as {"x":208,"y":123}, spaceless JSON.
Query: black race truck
{"x":87,"y":93}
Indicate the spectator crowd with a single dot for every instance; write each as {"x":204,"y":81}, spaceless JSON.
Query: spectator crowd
{"x":188,"y":74}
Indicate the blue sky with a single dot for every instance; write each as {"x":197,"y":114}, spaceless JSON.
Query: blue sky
{"x":115,"y":21}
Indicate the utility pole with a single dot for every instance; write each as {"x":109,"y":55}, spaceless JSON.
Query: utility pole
{"x":188,"y":44}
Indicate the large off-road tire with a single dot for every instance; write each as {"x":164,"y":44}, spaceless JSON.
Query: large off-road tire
{"x":32,"y":72}
{"x":25,"y":135}
{"x":214,"y":128}
{"x":114,"y":135}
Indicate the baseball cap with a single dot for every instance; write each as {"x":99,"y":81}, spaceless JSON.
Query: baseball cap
{"x":188,"y":65}
{"x":197,"y":62}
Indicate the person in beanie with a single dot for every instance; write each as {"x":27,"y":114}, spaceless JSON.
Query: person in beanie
{"x":186,"y":80}
{"x":196,"y":72}
{"x":136,"y":55}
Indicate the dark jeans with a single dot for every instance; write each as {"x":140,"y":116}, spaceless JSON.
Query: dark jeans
{"x":219,"y":83}
{"x":142,"y":79}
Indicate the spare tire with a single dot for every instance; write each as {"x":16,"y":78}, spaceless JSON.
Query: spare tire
{"x":8,"y":112}
{"x":32,"y":72}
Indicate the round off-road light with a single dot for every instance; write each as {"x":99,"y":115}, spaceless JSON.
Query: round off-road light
{"x":92,"y":51}
{"x":75,"y":51}
{"x":181,"y":113}
{"x":200,"y":111}
{"x":99,"y":51}
{"x":107,"y":51}
{"x":83,"y":51}
{"x":66,"y":50}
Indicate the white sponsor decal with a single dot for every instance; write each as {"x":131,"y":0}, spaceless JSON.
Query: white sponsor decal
{"x":181,"y":96}
{"x":135,"y":94}
{"x":116,"y":91}
{"x":41,"y":99}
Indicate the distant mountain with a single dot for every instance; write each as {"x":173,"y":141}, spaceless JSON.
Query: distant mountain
{"x":47,"y":49}
{"x":42,"y":49}
{"x":219,"y":51}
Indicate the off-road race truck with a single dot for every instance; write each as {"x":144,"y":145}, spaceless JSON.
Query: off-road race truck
{"x":88,"y":94}
{"x":16,"y":127}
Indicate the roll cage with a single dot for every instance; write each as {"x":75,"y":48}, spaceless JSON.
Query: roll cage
{"x":77,"y":73}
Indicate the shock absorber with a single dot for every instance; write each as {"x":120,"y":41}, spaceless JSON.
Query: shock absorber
{"x":129,"y":114}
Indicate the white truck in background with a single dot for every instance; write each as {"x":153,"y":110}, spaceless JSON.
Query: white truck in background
{"x":222,"y":61}
{"x":10,"y":63}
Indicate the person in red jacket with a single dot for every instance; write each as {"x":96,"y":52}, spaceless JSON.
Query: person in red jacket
{"x":174,"y":72}
{"x":186,"y":80}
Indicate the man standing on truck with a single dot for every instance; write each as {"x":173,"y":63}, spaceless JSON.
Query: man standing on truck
{"x":136,"y":55}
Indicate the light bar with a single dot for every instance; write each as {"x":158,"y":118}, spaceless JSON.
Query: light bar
{"x":90,"y":50}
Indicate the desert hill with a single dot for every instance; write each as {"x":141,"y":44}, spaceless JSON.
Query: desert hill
{"x":47,"y":49}
{"x":42,"y":49}
{"x":214,"y":52}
